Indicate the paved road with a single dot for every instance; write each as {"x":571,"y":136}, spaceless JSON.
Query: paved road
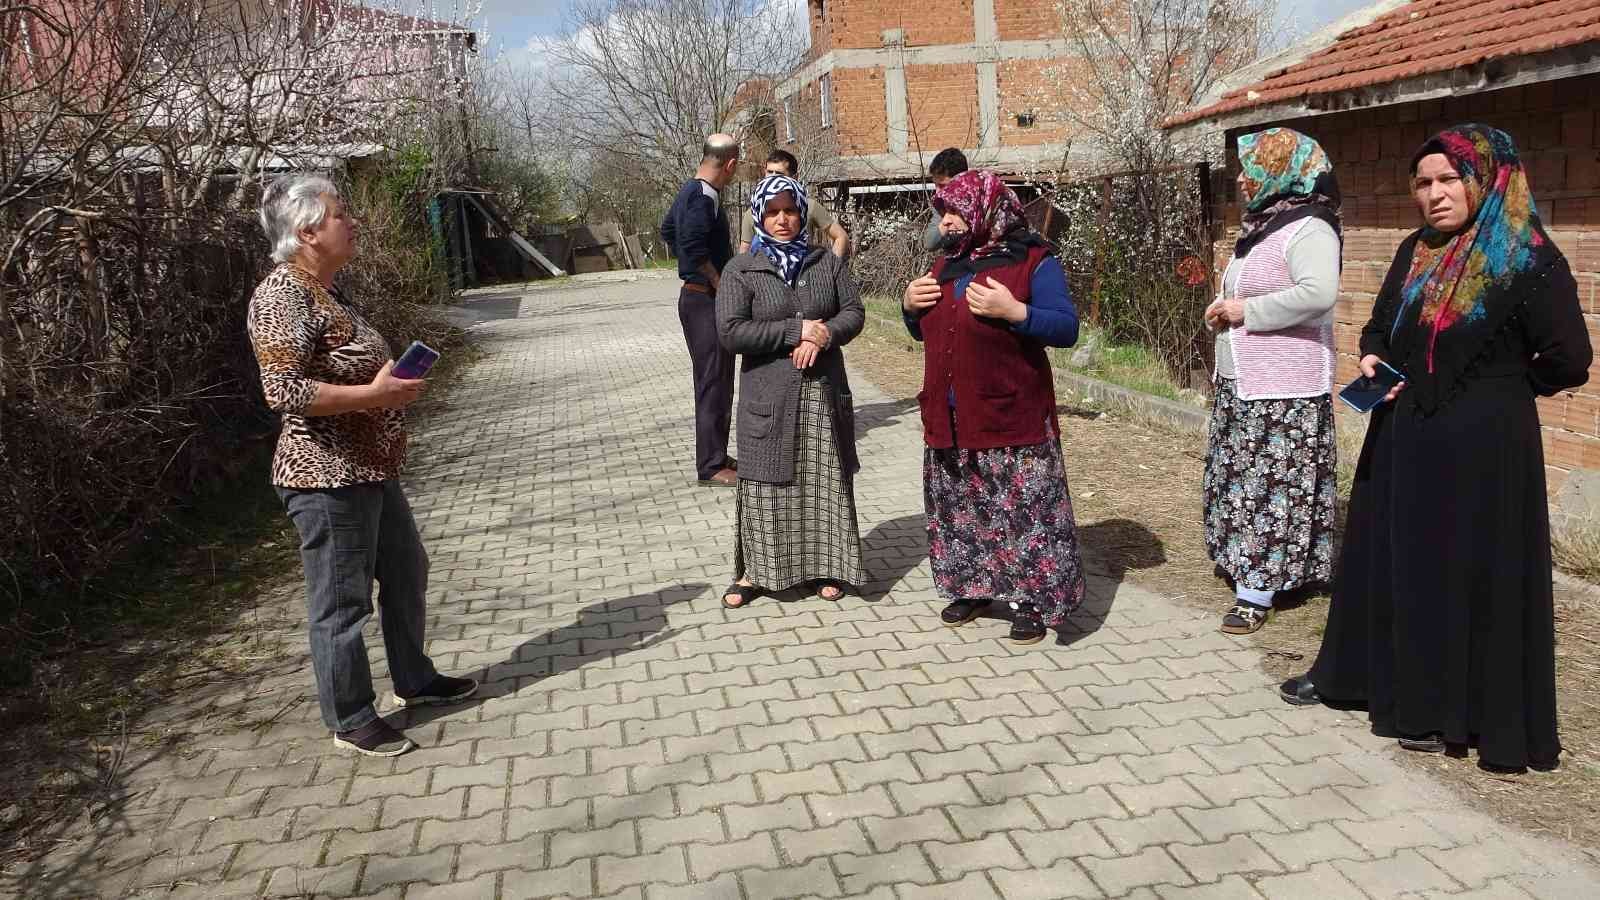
{"x":636,"y":740}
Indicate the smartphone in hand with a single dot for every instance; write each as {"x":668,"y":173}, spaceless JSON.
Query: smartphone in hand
{"x":416,"y":361}
{"x":1363,"y":394}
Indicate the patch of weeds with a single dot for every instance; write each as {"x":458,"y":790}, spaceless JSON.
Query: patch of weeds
{"x":1128,"y":365}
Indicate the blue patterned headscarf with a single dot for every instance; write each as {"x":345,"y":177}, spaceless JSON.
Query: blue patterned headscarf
{"x":787,"y":256}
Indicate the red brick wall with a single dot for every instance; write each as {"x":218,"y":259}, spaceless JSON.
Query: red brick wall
{"x":1025,"y":84}
{"x":861,"y":120}
{"x":1557,"y":129}
{"x":856,"y":24}
{"x":1026,"y":20}
{"x":860,"y":109}
{"x":943,"y":104}
{"x":820,"y":14}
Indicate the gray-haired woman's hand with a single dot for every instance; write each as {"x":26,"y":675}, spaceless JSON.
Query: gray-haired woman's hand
{"x":389,"y":392}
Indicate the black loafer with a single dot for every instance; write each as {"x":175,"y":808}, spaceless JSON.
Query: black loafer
{"x":963,"y":611}
{"x":1299,"y":692}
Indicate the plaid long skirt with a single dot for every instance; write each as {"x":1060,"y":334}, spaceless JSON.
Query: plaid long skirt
{"x":804,"y":530}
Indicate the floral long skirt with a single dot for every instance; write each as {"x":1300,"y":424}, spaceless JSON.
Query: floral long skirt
{"x":1269,"y":489}
{"x":1000,"y":526}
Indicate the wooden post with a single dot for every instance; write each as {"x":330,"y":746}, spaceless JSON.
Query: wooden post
{"x":1099,"y":250}
{"x":469,"y":272}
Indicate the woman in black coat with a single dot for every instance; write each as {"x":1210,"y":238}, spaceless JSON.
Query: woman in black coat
{"x":787,"y":309}
{"x":1442,"y":623}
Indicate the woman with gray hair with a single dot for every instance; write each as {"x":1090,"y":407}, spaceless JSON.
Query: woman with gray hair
{"x":327,"y":372}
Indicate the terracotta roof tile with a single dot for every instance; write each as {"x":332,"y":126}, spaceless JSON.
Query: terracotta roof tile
{"x":1419,"y":38}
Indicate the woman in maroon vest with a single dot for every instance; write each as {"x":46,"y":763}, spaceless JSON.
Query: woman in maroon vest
{"x":999,"y":515}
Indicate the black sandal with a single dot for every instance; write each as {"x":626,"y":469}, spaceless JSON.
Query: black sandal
{"x":745,"y":592}
{"x":822,"y":585}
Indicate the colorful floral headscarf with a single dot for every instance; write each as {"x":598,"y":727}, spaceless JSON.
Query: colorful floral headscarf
{"x":991,"y":210}
{"x":1453,"y":277}
{"x":786,"y":255}
{"x":1287,"y":177}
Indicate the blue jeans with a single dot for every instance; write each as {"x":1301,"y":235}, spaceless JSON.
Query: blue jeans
{"x":348,"y":536}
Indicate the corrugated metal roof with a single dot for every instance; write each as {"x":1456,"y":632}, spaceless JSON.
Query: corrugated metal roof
{"x":1419,"y":38}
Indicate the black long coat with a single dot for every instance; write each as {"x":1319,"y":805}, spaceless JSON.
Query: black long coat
{"x":1442,"y":618}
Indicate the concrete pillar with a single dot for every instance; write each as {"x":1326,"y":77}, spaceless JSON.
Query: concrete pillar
{"x":986,"y":34}
{"x":984,"y":29}
{"x":988,"y":105}
{"x":894,"y":91}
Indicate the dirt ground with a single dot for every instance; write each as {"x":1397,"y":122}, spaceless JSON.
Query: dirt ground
{"x":1146,"y":482}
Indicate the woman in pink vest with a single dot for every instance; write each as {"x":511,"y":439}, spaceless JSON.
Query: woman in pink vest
{"x":1270,"y":468}
{"x":1000,"y":521}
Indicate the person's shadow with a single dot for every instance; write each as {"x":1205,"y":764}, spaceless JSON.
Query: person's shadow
{"x":886,"y":412}
{"x":1108,"y":549}
{"x":603,"y":630}
{"x":889,"y":551}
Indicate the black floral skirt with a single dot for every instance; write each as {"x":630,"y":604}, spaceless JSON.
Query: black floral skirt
{"x":1270,"y":483}
{"x":1000,"y":526}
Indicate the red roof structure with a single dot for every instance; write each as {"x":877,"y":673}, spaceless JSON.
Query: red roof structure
{"x":1420,"y":38}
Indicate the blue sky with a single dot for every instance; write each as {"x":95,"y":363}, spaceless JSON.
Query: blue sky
{"x":512,"y":23}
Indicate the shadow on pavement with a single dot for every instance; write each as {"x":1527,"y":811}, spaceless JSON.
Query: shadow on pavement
{"x":1110,"y":548}
{"x":604,"y":630}
{"x":877,"y":415}
{"x":891,"y":550}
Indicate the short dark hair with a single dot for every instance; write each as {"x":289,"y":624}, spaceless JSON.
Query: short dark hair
{"x":949,"y":163}
{"x":788,"y":160}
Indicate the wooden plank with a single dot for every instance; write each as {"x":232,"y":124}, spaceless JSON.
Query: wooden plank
{"x":517,"y":240}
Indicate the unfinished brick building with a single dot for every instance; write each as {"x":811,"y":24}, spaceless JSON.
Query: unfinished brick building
{"x":1373,"y":87}
{"x":887,"y":85}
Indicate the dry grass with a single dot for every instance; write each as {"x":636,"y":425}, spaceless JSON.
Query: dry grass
{"x":1577,"y":551}
{"x":1145,"y":482}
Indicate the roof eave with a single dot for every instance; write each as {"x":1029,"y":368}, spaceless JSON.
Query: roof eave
{"x":1490,"y":75}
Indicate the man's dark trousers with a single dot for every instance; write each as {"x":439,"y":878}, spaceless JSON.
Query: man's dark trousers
{"x":713,"y":381}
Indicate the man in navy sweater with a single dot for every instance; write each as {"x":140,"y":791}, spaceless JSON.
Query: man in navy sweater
{"x":696,"y":230}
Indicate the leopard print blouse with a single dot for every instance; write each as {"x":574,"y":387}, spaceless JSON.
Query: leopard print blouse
{"x":304,"y":333}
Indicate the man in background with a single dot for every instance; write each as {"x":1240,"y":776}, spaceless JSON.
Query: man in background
{"x":696,"y":229}
{"x":948,"y":164}
{"x":824,"y":229}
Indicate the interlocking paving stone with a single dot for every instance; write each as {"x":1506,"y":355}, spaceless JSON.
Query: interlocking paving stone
{"x":635,"y":740}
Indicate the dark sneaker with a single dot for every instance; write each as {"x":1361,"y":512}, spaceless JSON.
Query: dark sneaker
{"x":376,"y":738}
{"x":443,"y":689}
{"x":963,"y":611}
{"x":1244,"y":618}
{"x":1026,"y":627}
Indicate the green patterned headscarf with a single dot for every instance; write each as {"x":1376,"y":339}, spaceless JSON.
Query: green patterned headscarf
{"x":1287,"y":177}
